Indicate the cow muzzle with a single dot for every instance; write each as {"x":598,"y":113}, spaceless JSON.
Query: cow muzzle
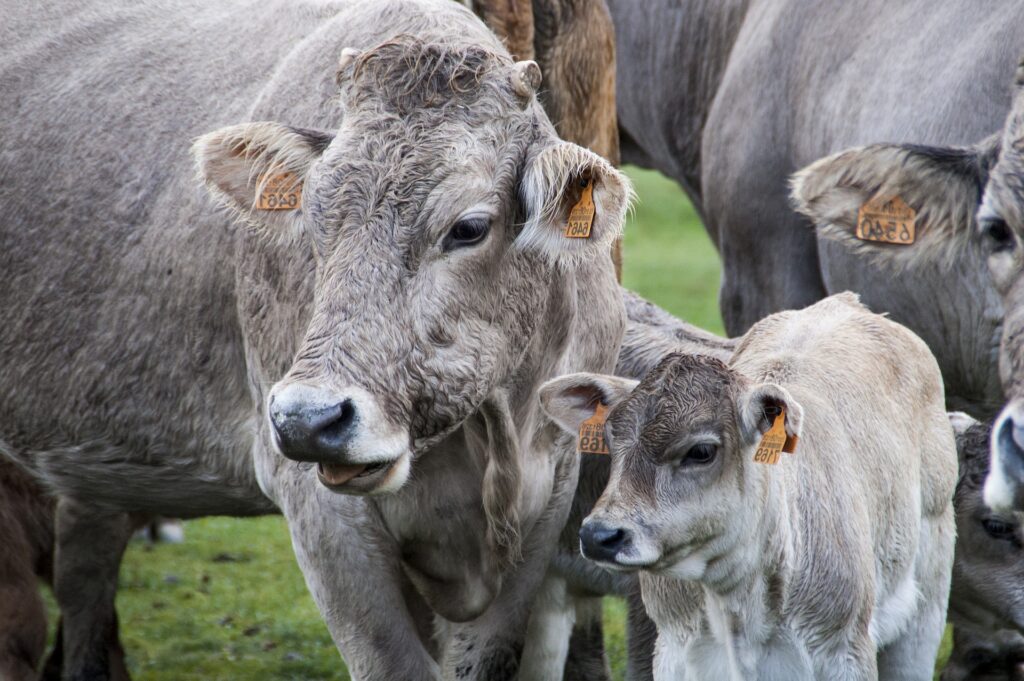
{"x":356,"y":449}
{"x":1004,"y":487}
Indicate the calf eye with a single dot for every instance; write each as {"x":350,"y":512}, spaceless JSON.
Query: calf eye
{"x":997,"y":233}
{"x":700,"y":454}
{"x":466,"y":232}
{"x":999,"y":529}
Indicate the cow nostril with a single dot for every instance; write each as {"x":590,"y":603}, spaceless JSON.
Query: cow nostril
{"x":337,"y":427}
{"x":612,"y":539}
{"x":600,"y":542}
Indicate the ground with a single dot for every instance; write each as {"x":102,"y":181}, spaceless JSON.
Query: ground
{"x":230,"y":602}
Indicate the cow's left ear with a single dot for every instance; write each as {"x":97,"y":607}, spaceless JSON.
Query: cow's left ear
{"x":566,"y":183}
{"x":259,"y":170}
{"x":941,"y":186}
{"x":572,"y":399}
{"x":760,"y":404}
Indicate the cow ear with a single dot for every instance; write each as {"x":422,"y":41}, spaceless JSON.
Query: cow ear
{"x":941,"y":185}
{"x":572,"y":399}
{"x":760,"y":404}
{"x":259,"y":170}
{"x":559,"y":179}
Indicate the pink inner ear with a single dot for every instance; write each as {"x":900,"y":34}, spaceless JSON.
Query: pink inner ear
{"x":586,"y":396}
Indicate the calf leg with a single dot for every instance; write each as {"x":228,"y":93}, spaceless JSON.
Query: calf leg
{"x":587,"y":660}
{"x":22,"y":618}
{"x":90,"y":545}
{"x":547,"y":642}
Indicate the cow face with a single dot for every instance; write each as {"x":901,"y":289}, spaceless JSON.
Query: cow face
{"x":682,"y":444}
{"x":436,"y":214}
{"x":989,"y":567}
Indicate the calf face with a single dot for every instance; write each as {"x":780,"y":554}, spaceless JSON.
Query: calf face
{"x":436,"y":215}
{"x":682,"y":443}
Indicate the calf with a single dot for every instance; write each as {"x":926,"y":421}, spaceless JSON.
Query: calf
{"x":835,"y":562}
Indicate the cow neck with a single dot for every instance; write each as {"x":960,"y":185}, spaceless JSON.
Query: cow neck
{"x":694,"y":41}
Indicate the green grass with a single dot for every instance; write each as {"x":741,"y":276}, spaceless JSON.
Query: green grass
{"x":230,"y":602}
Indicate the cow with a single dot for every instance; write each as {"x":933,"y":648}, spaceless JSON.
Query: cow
{"x":832,"y":563}
{"x":730,"y":98}
{"x":986,"y":602}
{"x":351,"y":331}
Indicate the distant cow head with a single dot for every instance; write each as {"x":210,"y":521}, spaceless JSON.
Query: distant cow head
{"x":970,"y":217}
{"x":681,"y":442}
{"x":436,"y":214}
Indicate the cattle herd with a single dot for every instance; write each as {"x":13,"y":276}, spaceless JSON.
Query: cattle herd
{"x":356,"y":262}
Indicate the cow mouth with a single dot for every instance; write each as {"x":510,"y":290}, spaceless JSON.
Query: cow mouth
{"x":355,"y":478}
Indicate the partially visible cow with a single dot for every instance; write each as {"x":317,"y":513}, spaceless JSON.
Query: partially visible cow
{"x":833,"y":563}
{"x":986,"y":602}
{"x":729,"y":98}
{"x":352,"y":334}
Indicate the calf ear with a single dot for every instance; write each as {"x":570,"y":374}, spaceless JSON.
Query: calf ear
{"x":259,"y":170}
{"x":941,"y":185}
{"x":557,"y":180}
{"x":759,"y":406}
{"x":572,"y":399}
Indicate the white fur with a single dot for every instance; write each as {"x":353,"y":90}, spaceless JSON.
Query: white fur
{"x":893,"y":612}
{"x":547,"y":635}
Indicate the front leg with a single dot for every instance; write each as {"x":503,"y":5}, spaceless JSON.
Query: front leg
{"x":490,"y":647}
{"x":352,"y":569}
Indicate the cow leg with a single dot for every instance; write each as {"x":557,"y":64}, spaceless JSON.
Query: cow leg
{"x":89,"y":545}
{"x":587,"y":660}
{"x":912,"y":655}
{"x":490,"y":648}
{"x":641,"y":637}
{"x":547,"y":641}
{"x":353,"y":571}
{"x":22,"y":617}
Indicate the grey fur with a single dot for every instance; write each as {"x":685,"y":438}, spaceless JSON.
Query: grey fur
{"x":145,"y":329}
{"x":730,"y":97}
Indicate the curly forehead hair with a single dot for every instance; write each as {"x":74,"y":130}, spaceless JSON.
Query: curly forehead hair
{"x":408,"y":74}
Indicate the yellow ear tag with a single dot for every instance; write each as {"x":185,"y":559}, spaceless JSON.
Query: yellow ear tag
{"x":581,"y":217}
{"x":282,"y":191}
{"x":591,"y":440}
{"x":775,"y":441}
{"x":890,"y":220}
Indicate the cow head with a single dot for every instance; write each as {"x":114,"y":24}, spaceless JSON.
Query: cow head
{"x":989,"y":566}
{"x":436,"y":214}
{"x":682,"y":443}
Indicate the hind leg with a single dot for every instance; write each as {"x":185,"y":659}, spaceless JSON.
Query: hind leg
{"x":912,"y":655}
{"x":22,"y":622}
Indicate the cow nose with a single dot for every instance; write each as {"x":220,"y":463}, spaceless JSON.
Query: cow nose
{"x":312,"y":424}
{"x":601,"y":542}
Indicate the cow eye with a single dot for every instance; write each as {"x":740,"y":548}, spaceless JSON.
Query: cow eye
{"x":700,"y":454}
{"x":997,"y":233}
{"x":999,"y":529}
{"x":466,"y":232}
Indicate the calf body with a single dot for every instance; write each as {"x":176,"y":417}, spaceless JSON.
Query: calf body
{"x":834,"y":563}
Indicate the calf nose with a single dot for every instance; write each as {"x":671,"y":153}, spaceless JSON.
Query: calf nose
{"x":601,"y":542}
{"x":312,"y":424}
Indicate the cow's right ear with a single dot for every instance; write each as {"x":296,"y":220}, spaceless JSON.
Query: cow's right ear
{"x":572,"y":399}
{"x":259,"y":170}
{"x":942,"y":185}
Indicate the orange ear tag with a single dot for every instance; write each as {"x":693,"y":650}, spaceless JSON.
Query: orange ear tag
{"x":581,"y":217}
{"x":775,"y":441}
{"x":591,"y":440}
{"x":280,"y":192}
{"x":890,"y":220}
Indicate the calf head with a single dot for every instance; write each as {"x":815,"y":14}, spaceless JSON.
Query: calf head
{"x":682,"y":486}
{"x":989,"y":568}
{"x":436,"y":214}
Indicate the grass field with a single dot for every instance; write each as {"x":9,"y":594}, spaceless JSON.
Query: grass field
{"x":230,"y":602}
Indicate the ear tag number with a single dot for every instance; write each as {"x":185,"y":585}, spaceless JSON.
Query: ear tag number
{"x":890,"y":221}
{"x":282,"y":191}
{"x":775,"y":441}
{"x":581,"y":217}
{"x":591,"y":440}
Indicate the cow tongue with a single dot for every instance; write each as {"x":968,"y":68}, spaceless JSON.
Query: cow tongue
{"x":336,"y":474}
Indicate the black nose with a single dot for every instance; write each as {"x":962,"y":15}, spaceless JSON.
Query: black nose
{"x":601,"y":542}
{"x":311,"y":425}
